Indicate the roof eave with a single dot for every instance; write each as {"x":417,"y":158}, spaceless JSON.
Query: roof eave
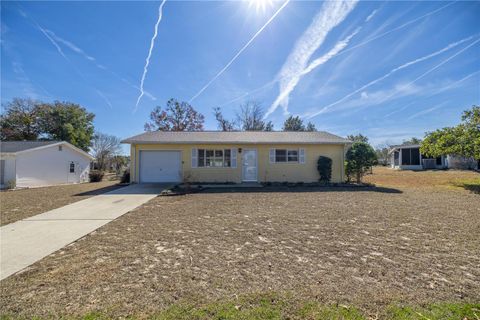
{"x":233,"y":142}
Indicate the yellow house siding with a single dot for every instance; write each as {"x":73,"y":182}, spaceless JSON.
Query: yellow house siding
{"x":272,"y":172}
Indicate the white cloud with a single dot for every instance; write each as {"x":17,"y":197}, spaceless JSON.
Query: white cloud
{"x":331,"y":14}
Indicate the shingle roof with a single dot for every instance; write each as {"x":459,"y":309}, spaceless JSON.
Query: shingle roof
{"x":244,"y":137}
{"x":17,"y":146}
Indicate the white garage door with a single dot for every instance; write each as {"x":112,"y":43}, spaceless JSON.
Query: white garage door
{"x":160,"y":166}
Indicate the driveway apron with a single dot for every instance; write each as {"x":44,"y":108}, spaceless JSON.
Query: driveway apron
{"x":24,"y":242}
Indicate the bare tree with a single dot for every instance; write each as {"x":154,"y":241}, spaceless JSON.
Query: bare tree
{"x":250,"y":118}
{"x":104,"y":147}
{"x":223,"y":124}
{"x":382,"y":152}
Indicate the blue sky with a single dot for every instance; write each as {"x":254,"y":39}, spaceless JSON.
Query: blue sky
{"x":390,"y":70}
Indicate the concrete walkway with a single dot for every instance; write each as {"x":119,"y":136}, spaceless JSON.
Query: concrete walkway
{"x":24,"y":242}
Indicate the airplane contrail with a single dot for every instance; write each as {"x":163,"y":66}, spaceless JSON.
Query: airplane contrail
{"x":60,"y":51}
{"x":439,"y":65}
{"x":288,"y":87}
{"x":330,"y":15}
{"x":383,"y":34}
{"x":147,"y":60}
{"x":405,"y":65}
{"x":447,"y":87}
{"x":239,"y":52}
{"x":57,"y":40}
{"x":55,"y":44}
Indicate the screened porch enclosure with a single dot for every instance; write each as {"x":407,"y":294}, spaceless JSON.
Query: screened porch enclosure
{"x":410,"y":158}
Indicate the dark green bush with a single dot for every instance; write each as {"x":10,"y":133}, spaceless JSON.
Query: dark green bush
{"x":96,"y":175}
{"x":359,"y":159}
{"x":126,"y":176}
{"x":324,"y":167}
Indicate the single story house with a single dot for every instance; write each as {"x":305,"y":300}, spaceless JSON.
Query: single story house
{"x":246,"y":156}
{"x":42,"y":163}
{"x":409,"y":157}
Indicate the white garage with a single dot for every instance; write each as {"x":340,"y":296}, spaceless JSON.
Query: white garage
{"x":26,"y":164}
{"x":160,"y":166}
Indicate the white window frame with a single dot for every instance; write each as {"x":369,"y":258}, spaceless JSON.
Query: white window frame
{"x":300,"y":155}
{"x":286,"y":156}
{"x":233,"y":158}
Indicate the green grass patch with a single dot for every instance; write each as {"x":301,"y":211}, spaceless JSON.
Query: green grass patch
{"x":275,"y":307}
{"x":441,"y":311}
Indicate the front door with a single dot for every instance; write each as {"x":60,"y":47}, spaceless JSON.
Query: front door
{"x":249,"y":160}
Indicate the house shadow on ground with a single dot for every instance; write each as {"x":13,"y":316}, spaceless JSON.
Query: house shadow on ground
{"x":302,"y":189}
{"x":129,"y":189}
{"x":98,"y":191}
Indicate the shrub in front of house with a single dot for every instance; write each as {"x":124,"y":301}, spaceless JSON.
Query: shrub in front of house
{"x":324,"y":167}
{"x":125,"y":176}
{"x":96,"y":175}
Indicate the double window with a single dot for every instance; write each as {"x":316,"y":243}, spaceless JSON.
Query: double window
{"x":286,"y":155}
{"x":214,"y":158}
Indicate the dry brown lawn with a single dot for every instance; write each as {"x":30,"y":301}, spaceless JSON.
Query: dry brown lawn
{"x":366,"y":246}
{"x":20,"y":204}
{"x":445,"y":179}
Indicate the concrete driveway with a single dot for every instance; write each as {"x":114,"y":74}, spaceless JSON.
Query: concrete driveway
{"x":24,"y":242}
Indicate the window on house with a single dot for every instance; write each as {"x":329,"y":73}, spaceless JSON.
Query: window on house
{"x":59,"y":148}
{"x":439,"y":161}
{"x":284,"y":155}
{"x":214,"y":158}
{"x":292,"y":155}
{"x":280,"y":155}
{"x":72,"y":167}
{"x":410,"y":157}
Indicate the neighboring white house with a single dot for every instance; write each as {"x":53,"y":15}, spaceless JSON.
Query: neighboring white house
{"x":408,"y":157}
{"x":42,"y":163}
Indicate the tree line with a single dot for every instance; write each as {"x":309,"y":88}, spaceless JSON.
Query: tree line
{"x":31,"y":120}
{"x":181,"y":116}
{"x":27,"y":119}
